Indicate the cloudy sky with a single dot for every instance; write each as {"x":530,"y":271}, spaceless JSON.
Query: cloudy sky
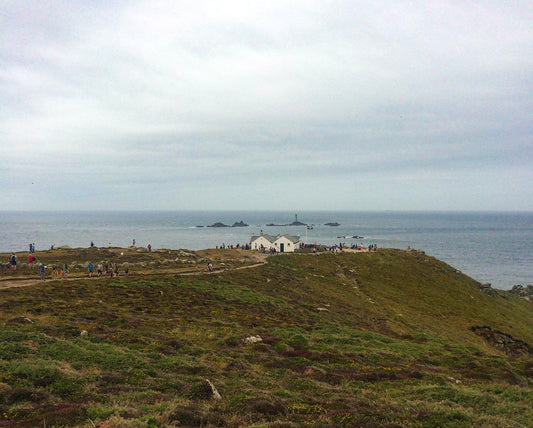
{"x":370,"y":105}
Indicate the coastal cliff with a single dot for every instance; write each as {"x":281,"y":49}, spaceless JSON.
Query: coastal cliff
{"x":350,"y":339}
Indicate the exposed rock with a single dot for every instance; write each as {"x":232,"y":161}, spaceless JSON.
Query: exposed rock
{"x":503,"y":341}
{"x":84,"y":333}
{"x":487,"y":289}
{"x":218,"y":224}
{"x":334,"y":224}
{"x":240,"y":224}
{"x":253,"y":339}
{"x":522,"y":291}
{"x":214,"y":391}
{"x":294,"y":223}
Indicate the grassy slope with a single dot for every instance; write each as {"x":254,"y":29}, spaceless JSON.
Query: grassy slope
{"x":377,"y":339}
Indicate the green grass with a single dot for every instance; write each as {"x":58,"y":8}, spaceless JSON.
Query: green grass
{"x":389,"y":346}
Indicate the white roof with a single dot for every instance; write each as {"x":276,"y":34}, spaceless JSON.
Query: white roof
{"x":273,"y":238}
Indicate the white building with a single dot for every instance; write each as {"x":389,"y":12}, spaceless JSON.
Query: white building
{"x":281,"y":243}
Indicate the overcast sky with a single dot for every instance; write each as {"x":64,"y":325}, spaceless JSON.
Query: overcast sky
{"x":370,"y":105}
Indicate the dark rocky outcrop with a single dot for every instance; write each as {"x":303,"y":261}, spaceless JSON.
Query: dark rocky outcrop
{"x":294,"y":223}
{"x":239,"y":224}
{"x":218,"y":224}
{"x":503,"y":341}
{"x":520,"y":290}
{"x":486,"y":288}
{"x":334,"y":224}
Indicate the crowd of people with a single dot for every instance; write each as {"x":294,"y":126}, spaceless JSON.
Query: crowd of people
{"x":106,"y":270}
{"x":224,"y":246}
{"x":112,"y":271}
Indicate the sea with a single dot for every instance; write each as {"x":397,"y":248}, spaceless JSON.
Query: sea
{"x":493,"y":247}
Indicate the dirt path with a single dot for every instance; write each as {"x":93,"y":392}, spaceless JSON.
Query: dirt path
{"x":25,"y":282}
{"x":14,"y":283}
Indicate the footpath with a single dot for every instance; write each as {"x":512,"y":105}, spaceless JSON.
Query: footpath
{"x":27,"y":281}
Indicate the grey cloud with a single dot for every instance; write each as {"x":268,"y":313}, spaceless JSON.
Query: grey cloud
{"x":271,"y":96}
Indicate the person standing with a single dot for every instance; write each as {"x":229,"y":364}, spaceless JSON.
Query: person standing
{"x":99,"y":269}
{"x":41,"y":271}
{"x":149,"y":248}
{"x":90,"y":266}
{"x":13,"y":261}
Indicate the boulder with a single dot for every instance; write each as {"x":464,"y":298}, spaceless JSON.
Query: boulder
{"x":253,"y":339}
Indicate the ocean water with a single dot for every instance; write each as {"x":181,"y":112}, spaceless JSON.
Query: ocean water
{"x":489,"y":247}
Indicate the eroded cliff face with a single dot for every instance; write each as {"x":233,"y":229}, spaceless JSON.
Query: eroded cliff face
{"x":503,"y":341}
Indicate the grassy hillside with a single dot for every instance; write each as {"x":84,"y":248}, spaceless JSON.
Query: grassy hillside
{"x":355,"y":339}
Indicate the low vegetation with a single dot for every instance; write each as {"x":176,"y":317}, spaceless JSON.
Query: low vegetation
{"x":389,"y":339}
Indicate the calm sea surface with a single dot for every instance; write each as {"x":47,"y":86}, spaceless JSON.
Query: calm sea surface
{"x":490,"y":247}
